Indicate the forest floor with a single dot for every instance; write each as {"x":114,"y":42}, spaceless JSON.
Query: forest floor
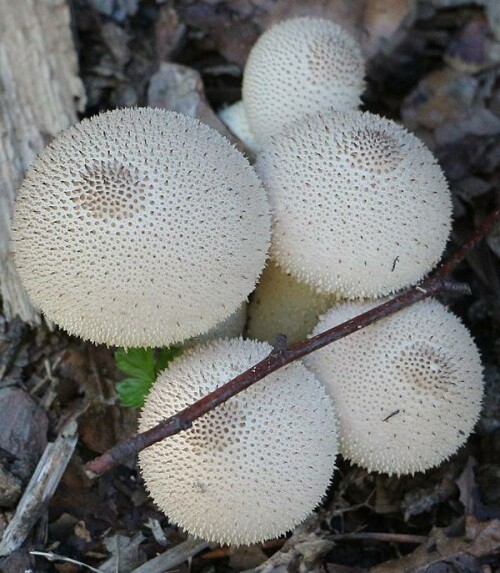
{"x":434,"y":65}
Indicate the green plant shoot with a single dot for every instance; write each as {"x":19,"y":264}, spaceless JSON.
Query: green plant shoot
{"x":142,"y":366}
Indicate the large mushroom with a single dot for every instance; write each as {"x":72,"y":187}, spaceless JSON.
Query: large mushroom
{"x":361,"y":206}
{"x":407,"y":389}
{"x":140,"y":227}
{"x":254,"y":467}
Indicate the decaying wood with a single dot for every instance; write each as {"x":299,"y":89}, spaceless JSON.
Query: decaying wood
{"x":40,"y":489}
{"x":303,"y":551}
{"x":23,"y":429}
{"x":173,"y":557}
{"x":40,"y":93}
{"x":54,"y":557}
{"x":479,"y":540}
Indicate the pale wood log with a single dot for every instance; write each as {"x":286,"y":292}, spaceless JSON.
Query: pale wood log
{"x":40,"y":94}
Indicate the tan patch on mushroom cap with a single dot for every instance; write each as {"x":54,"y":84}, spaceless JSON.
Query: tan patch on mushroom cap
{"x":140,"y":227}
{"x":254,"y":467}
{"x":361,"y":206}
{"x":374,"y":150}
{"x":407,"y":389}
{"x":108,"y":190}
{"x":300,"y":67}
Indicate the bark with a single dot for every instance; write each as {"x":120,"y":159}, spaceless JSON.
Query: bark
{"x":40,"y":94}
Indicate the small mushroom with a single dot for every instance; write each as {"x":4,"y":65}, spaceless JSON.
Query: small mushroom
{"x":361,"y":206}
{"x":299,"y":67}
{"x":407,"y":389}
{"x":140,"y":227}
{"x":234,"y":117}
{"x":254,"y":467}
{"x":283,"y":305}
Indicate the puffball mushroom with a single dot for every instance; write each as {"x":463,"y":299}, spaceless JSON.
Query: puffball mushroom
{"x":234,"y":117}
{"x":254,"y":467}
{"x":361,"y":206}
{"x":299,"y":67}
{"x":407,"y":389}
{"x":282,"y":305}
{"x":140,"y":227}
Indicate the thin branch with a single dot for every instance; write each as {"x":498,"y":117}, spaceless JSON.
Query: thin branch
{"x":56,"y":557}
{"x":476,"y":237}
{"x":281,"y":356}
{"x":377,"y":536}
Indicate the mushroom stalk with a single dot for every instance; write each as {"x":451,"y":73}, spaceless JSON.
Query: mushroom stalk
{"x":438,"y":283}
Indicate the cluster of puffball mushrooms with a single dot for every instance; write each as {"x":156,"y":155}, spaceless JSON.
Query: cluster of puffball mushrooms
{"x":143,"y":227}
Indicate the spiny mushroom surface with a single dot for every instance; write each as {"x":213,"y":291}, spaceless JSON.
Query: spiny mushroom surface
{"x":299,"y":67}
{"x":283,"y":305}
{"x":361,"y":206}
{"x":140,"y":227}
{"x":407,"y":389}
{"x":254,"y":467}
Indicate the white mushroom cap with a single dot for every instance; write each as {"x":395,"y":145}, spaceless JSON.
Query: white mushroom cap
{"x":299,"y":67}
{"x":361,"y":206}
{"x":140,"y":227}
{"x":407,"y":389}
{"x":234,"y":117}
{"x":255,"y":466}
{"x":282,"y":305}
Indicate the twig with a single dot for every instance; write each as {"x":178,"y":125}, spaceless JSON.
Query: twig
{"x":276,"y":360}
{"x":40,"y":488}
{"x":56,"y":557}
{"x":476,"y":237}
{"x":436,"y":284}
{"x":173,"y":557}
{"x":376,"y":536}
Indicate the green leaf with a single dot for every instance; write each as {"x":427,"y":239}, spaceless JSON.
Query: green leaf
{"x":165,"y":356}
{"x":142,"y":365}
{"x":133,"y":391}
{"x":136,"y":362}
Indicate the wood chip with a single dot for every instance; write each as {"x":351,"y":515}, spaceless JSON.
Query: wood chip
{"x":173,"y":557}
{"x":40,"y":489}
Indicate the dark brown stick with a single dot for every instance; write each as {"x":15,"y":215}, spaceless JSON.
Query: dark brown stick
{"x":282,"y":356}
{"x":376,"y":536}
{"x":476,"y":237}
